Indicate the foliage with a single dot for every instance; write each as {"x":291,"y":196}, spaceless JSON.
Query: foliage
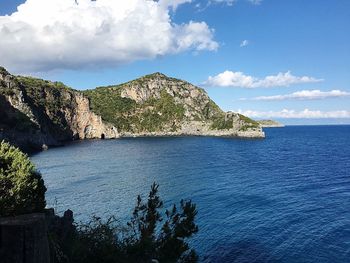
{"x":248,"y":120}
{"x":143,"y":239}
{"x":212,"y":110}
{"x":22,"y":189}
{"x":47,"y":94}
{"x":161,"y":112}
{"x":127,"y":115}
{"x":95,"y":242}
{"x":221,"y":123}
{"x":248,"y":123}
{"x":108,"y":103}
{"x":51,"y":97}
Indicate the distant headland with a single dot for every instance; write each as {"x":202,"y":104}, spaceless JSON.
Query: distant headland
{"x":270,"y":124}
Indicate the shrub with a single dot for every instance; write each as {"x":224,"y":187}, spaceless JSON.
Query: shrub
{"x":22,"y":188}
{"x":148,"y":237}
{"x":220,"y":123}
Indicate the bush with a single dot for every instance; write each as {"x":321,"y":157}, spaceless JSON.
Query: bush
{"x":22,"y":188}
{"x":148,"y":237}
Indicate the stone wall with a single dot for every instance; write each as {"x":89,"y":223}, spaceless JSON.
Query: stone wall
{"x":24,"y":239}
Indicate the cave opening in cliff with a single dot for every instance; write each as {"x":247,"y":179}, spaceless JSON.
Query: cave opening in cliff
{"x":103,"y":136}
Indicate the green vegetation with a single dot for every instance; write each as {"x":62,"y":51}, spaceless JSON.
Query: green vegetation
{"x":127,"y":115}
{"x":22,"y":189}
{"x":212,"y":110}
{"x":148,"y":236}
{"x":3,"y":71}
{"x":31,"y":82}
{"x":160,"y":112}
{"x":108,"y":103}
{"x":51,"y":97}
{"x":249,"y":123}
{"x":45,"y":93}
{"x":221,"y":123}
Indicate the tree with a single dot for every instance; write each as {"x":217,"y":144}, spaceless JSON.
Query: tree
{"x":145,"y":239}
{"x":168,"y":244}
{"x":22,"y":188}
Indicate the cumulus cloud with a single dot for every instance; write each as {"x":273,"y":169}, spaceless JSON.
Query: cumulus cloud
{"x":304,"y":95}
{"x":174,"y":3}
{"x":239,"y":79}
{"x":293,"y":114}
{"x":44,"y":35}
{"x":244,"y":43}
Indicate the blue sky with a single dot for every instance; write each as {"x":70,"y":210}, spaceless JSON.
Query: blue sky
{"x":304,"y":46}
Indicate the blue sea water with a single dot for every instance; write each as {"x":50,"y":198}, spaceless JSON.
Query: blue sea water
{"x":282,"y":199}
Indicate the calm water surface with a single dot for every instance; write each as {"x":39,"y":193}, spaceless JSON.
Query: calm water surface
{"x":282,"y":199}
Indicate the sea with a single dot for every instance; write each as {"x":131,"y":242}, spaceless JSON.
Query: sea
{"x":285,"y":198}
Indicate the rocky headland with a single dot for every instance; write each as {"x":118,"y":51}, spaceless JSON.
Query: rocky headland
{"x":36,"y":114}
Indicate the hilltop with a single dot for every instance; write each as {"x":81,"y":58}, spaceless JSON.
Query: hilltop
{"x":36,"y":113}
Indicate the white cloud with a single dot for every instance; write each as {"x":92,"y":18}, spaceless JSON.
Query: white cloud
{"x":174,"y":3}
{"x":293,"y":114}
{"x":304,"y":95}
{"x":239,"y":79}
{"x":244,"y":43}
{"x":44,"y":35}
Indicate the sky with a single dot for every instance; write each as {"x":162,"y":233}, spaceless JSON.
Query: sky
{"x":269,"y":59}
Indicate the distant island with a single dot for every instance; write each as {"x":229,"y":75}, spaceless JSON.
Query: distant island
{"x":36,"y":113}
{"x":270,"y":124}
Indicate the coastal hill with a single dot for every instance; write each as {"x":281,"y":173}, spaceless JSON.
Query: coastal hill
{"x":36,"y":113}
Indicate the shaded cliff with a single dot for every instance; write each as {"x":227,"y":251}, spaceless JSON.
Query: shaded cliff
{"x":36,"y":113}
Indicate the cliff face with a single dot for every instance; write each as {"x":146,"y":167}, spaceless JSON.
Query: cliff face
{"x":36,"y":113}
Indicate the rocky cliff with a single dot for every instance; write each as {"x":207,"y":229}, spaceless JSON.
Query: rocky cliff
{"x":36,"y":113}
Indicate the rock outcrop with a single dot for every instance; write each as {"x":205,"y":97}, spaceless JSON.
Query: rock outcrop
{"x":36,"y":113}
